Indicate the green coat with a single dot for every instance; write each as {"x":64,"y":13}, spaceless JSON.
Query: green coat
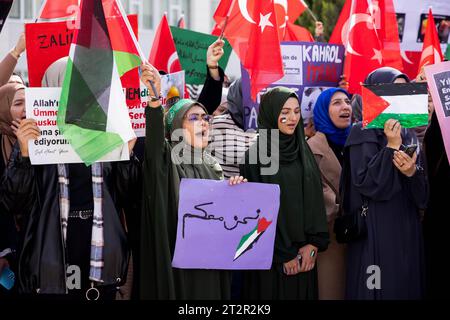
{"x":159,"y":222}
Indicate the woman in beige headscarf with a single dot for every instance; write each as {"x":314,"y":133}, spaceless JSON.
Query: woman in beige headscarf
{"x":7,"y":94}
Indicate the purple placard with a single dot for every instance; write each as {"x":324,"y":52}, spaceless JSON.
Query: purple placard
{"x":309,"y":68}
{"x":226,"y":227}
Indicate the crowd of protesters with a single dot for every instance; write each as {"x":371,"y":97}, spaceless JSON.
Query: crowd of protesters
{"x":329,"y":165}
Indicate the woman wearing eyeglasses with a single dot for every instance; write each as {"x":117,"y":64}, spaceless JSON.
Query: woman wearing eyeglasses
{"x":332,"y":120}
{"x":166,"y":162}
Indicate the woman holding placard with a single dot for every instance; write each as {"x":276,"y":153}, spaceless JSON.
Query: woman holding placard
{"x":302,"y":224}
{"x":166,"y":162}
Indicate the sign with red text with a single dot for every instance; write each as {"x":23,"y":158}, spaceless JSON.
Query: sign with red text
{"x":309,"y":67}
{"x":51,"y":147}
{"x":172,"y":85}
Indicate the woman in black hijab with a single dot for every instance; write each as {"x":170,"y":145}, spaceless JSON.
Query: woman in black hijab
{"x":388,"y":262}
{"x":302,"y":225}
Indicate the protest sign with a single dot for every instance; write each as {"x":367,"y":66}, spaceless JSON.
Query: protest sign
{"x":49,"y":41}
{"x":191,"y":48}
{"x":226,"y":227}
{"x":438,"y":78}
{"x":309,"y":68}
{"x":51,"y":147}
{"x":171,"y":85}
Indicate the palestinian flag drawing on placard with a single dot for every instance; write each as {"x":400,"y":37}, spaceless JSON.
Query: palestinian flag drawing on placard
{"x":406,"y":102}
{"x":93,"y":113}
{"x":248,"y":240}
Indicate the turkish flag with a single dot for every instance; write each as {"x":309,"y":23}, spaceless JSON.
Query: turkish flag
{"x":287,"y":12}
{"x":217,"y":30}
{"x":54,"y":9}
{"x":297,"y":33}
{"x":181,"y":24}
{"x":295,"y":9}
{"x":431,"y":49}
{"x":370,"y":36}
{"x":252,"y":30}
{"x":163,"y":55}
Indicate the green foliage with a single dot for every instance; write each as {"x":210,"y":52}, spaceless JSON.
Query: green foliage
{"x":327,"y":11}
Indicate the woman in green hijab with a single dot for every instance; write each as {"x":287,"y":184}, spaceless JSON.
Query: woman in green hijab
{"x":166,"y":162}
{"x":302,"y":225}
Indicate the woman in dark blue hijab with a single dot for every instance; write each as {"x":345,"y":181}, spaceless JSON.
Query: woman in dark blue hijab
{"x":332,"y":120}
{"x":332,"y":117}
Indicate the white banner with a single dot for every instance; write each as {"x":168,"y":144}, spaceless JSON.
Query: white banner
{"x":51,"y":147}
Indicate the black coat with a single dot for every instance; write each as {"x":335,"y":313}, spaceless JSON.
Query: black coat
{"x":33,"y":191}
{"x":394,"y":233}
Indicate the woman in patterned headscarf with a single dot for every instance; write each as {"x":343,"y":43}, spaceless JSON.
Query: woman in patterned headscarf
{"x":167,"y":161}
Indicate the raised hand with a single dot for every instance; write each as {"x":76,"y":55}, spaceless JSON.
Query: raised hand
{"x":150,"y":74}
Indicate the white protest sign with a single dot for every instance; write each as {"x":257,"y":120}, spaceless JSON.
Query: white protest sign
{"x":51,"y":147}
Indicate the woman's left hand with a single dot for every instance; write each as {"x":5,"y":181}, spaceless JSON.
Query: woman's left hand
{"x":237,"y":180}
{"x":405,"y":163}
{"x":308,"y":254}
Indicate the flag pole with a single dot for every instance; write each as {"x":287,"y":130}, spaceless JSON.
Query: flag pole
{"x":136,"y":43}
{"x":40,"y":11}
{"x":312,"y":14}
{"x":226,"y":20}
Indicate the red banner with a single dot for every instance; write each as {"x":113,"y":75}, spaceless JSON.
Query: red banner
{"x":49,"y":41}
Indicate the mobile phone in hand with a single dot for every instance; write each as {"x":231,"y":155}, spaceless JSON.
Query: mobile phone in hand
{"x":7,"y":278}
{"x":410,"y":149}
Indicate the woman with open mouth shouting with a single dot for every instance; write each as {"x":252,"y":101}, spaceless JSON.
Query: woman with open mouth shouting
{"x":332,"y":120}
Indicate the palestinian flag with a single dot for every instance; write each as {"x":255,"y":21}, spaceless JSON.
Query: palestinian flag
{"x":93,"y":113}
{"x":406,"y":102}
{"x":123,"y":40}
{"x":249,"y":239}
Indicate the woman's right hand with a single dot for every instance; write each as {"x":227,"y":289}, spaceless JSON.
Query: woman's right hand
{"x":21,"y":44}
{"x":25,"y":130}
{"x":392,"y":130}
{"x":150,"y":74}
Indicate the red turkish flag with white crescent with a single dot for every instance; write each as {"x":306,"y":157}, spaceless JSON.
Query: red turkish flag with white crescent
{"x":252,"y":30}
{"x":287,"y":12}
{"x":431,"y":49}
{"x":54,"y":9}
{"x":370,"y":36}
{"x":297,"y":33}
{"x":163,"y":55}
